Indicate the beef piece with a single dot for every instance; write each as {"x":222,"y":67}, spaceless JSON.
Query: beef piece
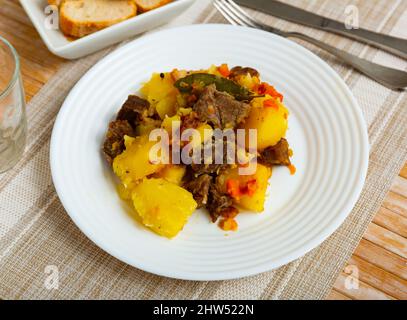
{"x":199,"y":187}
{"x":114,"y":142}
{"x":240,"y":71}
{"x":215,"y":167}
{"x":192,"y":98}
{"x":208,"y":168}
{"x":276,"y":155}
{"x":218,"y":202}
{"x":134,"y":110}
{"x":220,"y":109}
{"x":190,"y":121}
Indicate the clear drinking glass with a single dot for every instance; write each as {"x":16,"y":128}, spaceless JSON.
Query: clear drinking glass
{"x":13,"y":123}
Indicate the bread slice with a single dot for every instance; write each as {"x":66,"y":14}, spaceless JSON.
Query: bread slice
{"x":147,"y":5}
{"x":79,"y":18}
{"x":55,"y":2}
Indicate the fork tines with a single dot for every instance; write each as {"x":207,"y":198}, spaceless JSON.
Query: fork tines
{"x":235,"y":14}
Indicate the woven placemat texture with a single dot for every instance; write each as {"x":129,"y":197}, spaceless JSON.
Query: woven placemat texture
{"x":36,"y":232}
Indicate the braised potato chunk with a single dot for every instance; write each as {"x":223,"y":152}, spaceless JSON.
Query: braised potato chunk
{"x":249,"y":192}
{"x":164,"y":207}
{"x":161,"y":94}
{"x":270,"y":117}
{"x":173,"y":174}
{"x":134,"y":163}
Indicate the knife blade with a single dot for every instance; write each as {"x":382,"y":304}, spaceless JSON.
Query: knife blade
{"x":285,"y":11}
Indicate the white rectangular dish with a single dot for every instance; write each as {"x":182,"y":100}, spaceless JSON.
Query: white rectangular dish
{"x":61,"y":46}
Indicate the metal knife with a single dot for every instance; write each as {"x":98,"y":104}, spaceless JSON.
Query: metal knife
{"x":391,"y":44}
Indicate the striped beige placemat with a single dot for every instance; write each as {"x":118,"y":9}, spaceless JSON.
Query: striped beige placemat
{"x":39,"y":241}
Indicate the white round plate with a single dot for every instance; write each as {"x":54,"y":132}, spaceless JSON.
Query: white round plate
{"x":327,"y":133}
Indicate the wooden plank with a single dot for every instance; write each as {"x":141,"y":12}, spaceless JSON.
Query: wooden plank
{"x":31,"y":87}
{"x":380,"y":279}
{"x":396,"y":203}
{"x":13,"y":9}
{"x":40,"y":55}
{"x":400,"y":186}
{"x":38,"y":65}
{"x":336,"y":295}
{"x":403,"y":172}
{"x":21,"y":31}
{"x":35,"y":71}
{"x":391,"y":221}
{"x":363,"y":292}
{"x":387,"y":239}
{"x":382,"y":258}
{"x":21,"y":36}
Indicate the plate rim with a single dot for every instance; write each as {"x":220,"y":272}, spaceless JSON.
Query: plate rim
{"x":242,"y":273}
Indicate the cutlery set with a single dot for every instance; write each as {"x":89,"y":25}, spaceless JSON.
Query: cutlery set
{"x":391,"y":78}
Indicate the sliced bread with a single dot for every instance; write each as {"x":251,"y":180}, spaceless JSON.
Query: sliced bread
{"x":55,"y":2}
{"x":147,"y":5}
{"x":79,"y":18}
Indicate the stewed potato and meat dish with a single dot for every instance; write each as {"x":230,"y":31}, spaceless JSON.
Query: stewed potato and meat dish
{"x":165,"y":194}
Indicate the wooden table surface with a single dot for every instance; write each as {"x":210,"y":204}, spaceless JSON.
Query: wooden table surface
{"x":381,"y":258}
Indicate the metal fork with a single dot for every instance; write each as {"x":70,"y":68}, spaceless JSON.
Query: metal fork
{"x":391,"y":78}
